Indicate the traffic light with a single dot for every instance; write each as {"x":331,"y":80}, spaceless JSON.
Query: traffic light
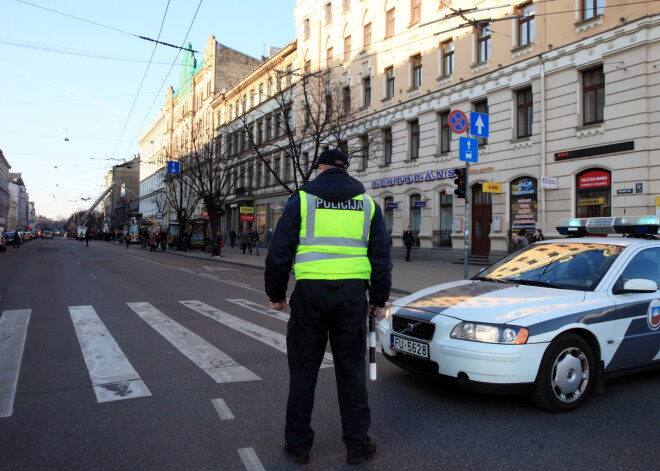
{"x":460,"y":190}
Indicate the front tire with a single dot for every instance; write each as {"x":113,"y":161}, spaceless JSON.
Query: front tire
{"x":566,"y":375}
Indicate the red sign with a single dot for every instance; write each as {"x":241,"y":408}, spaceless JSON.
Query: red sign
{"x":247,"y":217}
{"x":458,"y":122}
{"x":595,"y":179}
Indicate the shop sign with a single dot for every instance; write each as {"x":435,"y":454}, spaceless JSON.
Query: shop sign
{"x":246,"y":210}
{"x":246,"y":217}
{"x":523,"y":186}
{"x":624,"y":191}
{"x":391,"y":205}
{"x":414,"y":178}
{"x":419,"y":204}
{"x":595,"y":179}
{"x":549,"y":183}
{"x":277,"y":206}
{"x":491,"y":187}
{"x":591,"y":201}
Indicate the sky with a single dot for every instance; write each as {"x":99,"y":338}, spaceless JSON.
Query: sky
{"x":79,"y":86}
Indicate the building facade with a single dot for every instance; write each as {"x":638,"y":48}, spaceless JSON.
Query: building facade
{"x":4,"y":191}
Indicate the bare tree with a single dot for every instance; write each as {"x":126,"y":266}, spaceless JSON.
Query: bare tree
{"x":181,"y":197}
{"x":307,"y":113}
{"x":206,"y":167}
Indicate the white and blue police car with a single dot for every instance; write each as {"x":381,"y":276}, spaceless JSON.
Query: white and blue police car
{"x":554,"y":319}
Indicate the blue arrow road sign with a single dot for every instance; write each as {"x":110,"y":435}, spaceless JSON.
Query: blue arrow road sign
{"x":479,"y":125}
{"x":173,"y":166}
{"x":468,"y":149}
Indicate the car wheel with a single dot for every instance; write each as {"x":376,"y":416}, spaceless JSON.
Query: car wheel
{"x":566,"y":375}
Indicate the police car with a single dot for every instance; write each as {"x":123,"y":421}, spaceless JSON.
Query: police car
{"x":554,"y":319}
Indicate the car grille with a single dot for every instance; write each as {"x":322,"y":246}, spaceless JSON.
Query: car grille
{"x":413,"y":328}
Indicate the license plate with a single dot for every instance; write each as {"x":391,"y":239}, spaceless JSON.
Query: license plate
{"x":409,"y":346}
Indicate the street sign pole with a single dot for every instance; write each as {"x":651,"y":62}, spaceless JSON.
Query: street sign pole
{"x":466,"y":249}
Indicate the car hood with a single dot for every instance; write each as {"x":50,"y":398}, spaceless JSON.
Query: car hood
{"x":483,"y":301}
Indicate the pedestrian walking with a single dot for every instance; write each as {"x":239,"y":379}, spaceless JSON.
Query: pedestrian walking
{"x":330,"y":298}
{"x":232,"y":237}
{"x":17,"y":239}
{"x":188,"y":241}
{"x":408,"y":241}
{"x":127,"y":239}
{"x":144,"y":237}
{"x":254,"y":237}
{"x":245,"y":241}
{"x":87,"y":238}
{"x":170,"y":240}
{"x":538,"y":236}
{"x":217,"y":245}
{"x":152,"y":241}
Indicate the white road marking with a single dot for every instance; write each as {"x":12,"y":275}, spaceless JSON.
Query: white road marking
{"x":222,"y":409}
{"x":217,"y":364}
{"x":259,"y":333}
{"x":13,"y":331}
{"x":113,"y":377}
{"x":218,"y":268}
{"x":205,"y":275}
{"x":283,"y":316}
{"x":92,"y":275}
{"x":250,"y":459}
{"x":77,"y":262}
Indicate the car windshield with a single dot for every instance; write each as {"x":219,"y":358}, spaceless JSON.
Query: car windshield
{"x":565,"y":265}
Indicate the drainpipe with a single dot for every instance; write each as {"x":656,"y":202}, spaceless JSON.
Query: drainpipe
{"x":543,"y":144}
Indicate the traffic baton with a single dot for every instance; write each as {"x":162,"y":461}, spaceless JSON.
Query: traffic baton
{"x":372,"y":345}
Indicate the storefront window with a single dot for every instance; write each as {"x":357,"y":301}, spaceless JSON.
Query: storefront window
{"x":261,"y":219}
{"x":443,"y":236}
{"x":524,"y":204}
{"x":594,"y":194}
{"x":415,"y":216}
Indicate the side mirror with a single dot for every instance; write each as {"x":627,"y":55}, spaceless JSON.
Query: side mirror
{"x":637,"y":285}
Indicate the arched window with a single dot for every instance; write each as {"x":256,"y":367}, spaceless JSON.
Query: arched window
{"x":415,"y":216}
{"x":388,"y":212}
{"x":594,"y":193}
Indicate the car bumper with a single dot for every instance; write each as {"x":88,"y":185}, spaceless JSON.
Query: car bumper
{"x":479,"y":366}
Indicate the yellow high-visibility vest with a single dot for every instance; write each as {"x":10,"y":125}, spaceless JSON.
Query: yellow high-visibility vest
{"x":334,"y":237}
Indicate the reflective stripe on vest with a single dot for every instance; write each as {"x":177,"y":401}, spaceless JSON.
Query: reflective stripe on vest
{"x":321,"y":254}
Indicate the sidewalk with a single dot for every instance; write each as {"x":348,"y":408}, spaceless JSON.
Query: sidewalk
{"x":407,"y":277}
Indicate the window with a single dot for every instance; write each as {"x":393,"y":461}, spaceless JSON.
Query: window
{"x":387,"y":148}
{"x":364,"y":153}
{"x":593,"y":90}
{"x":345,"y":101}
{"x":261,"y":92}
{"x":416,"y":63}
{"x":389,"y":23}
{"x":269,"y":124}
{"x":389,"y":89}
{"x":278,"y":167}
{"x":288,"y":124}
{"x":388,"y":213}
{"x":366,"y":32}
{"x":592,"y":8}
{"x":288,"y":173}
{"x":415,"y":216}
{"x":445,"y":133}
{"x":414,"y":140}
{"x":267,"y":170}
{"x":481,"y":107}
{"x":328,"y":107}
{"x":447,"y":49}
{"x":306,"y":31}
{"x":525,"y":112}
{"x":347,"y":48}
{"x":526,"y":25}
{"x":259,"y":182}
{"x":328,"y":56}
{"x":366,"y":87}
{"x":328,"y":13}
{"x":278,"y":124}
{"x":483,"y":43}
{"x":308,"y":67}
{"x":415,"y":11}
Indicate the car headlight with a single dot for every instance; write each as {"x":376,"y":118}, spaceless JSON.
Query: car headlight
{"x":388,"y":312}
{"x":490,"y":333}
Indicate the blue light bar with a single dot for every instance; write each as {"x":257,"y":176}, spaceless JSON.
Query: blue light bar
{"x":637,"y":225}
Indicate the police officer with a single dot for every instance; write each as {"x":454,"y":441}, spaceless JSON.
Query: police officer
{"x":334,"y":235}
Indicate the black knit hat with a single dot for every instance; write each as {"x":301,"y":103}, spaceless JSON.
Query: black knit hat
{"x":333,"y":157}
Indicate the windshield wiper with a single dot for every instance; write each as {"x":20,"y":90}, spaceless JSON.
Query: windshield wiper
{"x":497,"y":280}
{"x":538,"y":283}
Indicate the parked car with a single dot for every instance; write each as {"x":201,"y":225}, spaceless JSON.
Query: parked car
{"x":9,"y":236}
{"x":3,"y":241}
{"x":555,"y":319}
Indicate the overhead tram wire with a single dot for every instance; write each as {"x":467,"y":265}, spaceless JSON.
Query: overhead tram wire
{"x":105,"y":26}
{"x":148,"y":113}
{"x":144,"y":76}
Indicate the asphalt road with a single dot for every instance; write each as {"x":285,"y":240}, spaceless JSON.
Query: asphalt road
{"x":139,"y":360}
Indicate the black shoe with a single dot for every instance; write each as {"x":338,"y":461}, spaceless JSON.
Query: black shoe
{"x":295,"y":456}
{"x":368,"y":453}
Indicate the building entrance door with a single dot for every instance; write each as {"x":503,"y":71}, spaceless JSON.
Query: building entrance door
{"x":482,"y":217}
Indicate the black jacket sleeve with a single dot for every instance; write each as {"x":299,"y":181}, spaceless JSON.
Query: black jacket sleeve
{"x":381,"y":261}
{"x":282,"y":251}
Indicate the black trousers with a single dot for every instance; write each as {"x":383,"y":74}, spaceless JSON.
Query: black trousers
{"x":322,"y":309}
{"x":408,"y":247}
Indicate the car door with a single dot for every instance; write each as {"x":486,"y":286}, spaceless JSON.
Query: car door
{"x":638,"y":314}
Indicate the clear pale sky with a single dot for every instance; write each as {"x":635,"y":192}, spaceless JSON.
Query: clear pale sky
{"x":78,"y":87}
